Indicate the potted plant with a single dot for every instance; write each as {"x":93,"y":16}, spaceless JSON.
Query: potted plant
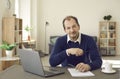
{"x":28,"y":29}
{"x":8,"y":48}
{"x":108,"y":17}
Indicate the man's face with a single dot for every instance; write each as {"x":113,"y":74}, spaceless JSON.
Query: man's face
{"x":72,"y":28}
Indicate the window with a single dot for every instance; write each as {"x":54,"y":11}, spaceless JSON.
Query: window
{"x":22,"y":10}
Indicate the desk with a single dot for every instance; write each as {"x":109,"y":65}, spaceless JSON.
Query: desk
{"x":8,"y":61}
{"x":29,"y":44}
{"x":17,"y":72}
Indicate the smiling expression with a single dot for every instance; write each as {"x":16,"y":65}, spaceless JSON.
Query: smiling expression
{"x":71,"y":28}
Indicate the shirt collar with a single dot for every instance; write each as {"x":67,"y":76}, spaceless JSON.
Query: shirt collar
{"x":78,"y":40}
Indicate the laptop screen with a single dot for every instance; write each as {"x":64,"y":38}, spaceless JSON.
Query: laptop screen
{"x":31,"y":62}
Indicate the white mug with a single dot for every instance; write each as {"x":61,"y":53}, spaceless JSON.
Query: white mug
{"x":108,"y":67}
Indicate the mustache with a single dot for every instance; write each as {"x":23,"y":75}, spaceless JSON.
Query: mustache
{"x":73,"y":32}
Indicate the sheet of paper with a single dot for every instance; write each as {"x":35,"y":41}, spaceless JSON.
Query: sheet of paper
{"x":76,"y":73}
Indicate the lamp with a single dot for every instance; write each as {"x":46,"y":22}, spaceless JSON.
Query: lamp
{"x":46,"y":24}
{"x":44,"y":53}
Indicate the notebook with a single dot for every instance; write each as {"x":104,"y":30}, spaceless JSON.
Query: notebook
{"x":31,"y":62}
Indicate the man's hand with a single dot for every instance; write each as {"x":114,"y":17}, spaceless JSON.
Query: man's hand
{"x":75,"y":51}
{"x":83,"y":67}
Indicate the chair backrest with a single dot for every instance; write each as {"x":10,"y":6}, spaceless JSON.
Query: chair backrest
{"x":53,"y":39}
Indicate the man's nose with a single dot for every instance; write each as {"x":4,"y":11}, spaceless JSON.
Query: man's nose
{"x":71,"y":29}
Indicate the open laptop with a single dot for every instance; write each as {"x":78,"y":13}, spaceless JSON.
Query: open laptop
{"x":31,"y":62}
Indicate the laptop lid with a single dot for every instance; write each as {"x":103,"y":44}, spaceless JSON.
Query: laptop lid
{"x":32,"y":63}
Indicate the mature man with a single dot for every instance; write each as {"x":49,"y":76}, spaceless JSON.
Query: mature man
{"x":75,"y":49}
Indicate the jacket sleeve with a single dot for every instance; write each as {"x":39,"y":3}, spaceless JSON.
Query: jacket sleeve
{"x":58,"y":54}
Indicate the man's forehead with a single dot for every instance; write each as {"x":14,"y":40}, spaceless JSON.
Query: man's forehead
{"x":70,"y":21}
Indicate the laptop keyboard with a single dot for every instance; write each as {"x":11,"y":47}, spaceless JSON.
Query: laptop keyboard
{"x":51,"y":71}
{"x":48,"y":73}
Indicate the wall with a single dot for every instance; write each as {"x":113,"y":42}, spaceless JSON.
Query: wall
{"x":89,"y":13}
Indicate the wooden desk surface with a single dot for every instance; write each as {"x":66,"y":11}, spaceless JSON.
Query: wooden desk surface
{"x":17,"y":72}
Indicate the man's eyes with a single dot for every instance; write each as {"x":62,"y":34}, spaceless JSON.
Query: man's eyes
{"x":74,"y":26}
{"x":68,"y":27}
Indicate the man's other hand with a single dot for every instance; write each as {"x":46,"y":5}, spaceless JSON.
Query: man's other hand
{"x":74,"y":51}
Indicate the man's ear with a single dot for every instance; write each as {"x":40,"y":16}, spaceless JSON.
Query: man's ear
{"x":65,"y":30}
{"x":79,"y":27}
